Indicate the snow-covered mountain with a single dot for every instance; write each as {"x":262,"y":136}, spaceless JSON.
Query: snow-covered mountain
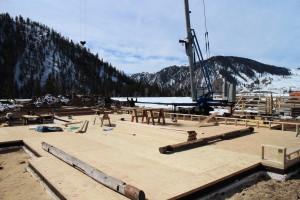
{"x":249,"y":75}
{"x":36,"y":60}
{"x":281,"y":84}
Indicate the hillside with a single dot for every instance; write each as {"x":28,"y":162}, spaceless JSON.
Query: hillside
{"x":36,"y":60}
{"x":249,"y":75}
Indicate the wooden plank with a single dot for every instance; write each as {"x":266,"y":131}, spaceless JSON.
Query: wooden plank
{"x":81,"y":130}
{"x":207,"y":119}
{"x":272,"y":163}
{"x":117,"y":185}
{"x":289,"y":152}
{"x":84,"y":127}
{"x":292,"y":162}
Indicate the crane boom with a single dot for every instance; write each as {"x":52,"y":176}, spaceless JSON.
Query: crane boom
{"x":189,"y":49}
{"x":194,"y":54}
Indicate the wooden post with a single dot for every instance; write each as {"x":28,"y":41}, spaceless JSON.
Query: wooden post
{"x":243,"y":106}
{"x":162,"y":115}
{"x":152,"y":117}
{"x":282,"y":156}
{"x":134,"y":115}
{"x":119,"y":186}
{"x":266,"y":105}
{"x":272,"y":105}
{"x":262,"y":152}
{"x":279,"y":102}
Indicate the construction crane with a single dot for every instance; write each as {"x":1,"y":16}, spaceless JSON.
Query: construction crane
{"x":203,"y":98}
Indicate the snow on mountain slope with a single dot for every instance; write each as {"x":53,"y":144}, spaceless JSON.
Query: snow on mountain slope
{"x":282,"y":84}
{"x":249,"y":75}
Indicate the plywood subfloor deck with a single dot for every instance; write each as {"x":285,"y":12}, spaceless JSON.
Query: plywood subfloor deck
{"x":129,"y":152}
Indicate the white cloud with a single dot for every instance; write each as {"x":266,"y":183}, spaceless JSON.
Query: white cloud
{"x":142,"y":35}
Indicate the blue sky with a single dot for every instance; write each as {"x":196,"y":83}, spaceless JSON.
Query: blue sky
{"x":142,"y":35}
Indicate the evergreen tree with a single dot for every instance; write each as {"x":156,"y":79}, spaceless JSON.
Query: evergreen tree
{"x":35,"y":60}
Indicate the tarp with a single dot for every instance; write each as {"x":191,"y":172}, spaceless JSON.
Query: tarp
{"x":48,"y":129}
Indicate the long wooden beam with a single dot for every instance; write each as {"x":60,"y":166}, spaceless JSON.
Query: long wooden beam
{"x":237,"y":133}
{"x":182,"y":146}
{"x":119,"y":186}
{"x":204,"y":141}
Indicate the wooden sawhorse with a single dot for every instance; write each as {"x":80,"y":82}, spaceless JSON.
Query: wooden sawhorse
{"x":104,"y":117}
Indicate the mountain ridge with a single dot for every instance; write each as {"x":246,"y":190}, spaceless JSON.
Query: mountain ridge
{"x":248,"y":74}
{"x":36,"y":60}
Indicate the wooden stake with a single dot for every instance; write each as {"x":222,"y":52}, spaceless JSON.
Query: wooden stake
{"x":119,"y":186}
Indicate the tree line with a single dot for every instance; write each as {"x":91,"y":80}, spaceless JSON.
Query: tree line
{"x":36,"y":60}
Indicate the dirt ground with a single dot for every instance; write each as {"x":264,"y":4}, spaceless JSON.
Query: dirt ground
{"x":15,"y":182}
{"x":265,"y":188}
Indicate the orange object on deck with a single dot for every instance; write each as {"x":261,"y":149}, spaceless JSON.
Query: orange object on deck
{"x":295,"y":93}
